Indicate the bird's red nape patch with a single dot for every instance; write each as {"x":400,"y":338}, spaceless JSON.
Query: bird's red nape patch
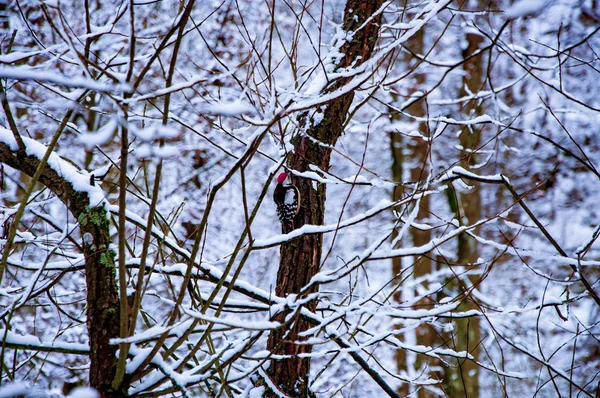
{"x":281,"y":177}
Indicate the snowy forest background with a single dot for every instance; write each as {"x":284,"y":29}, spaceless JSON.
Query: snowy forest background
{"x":460,"y":252}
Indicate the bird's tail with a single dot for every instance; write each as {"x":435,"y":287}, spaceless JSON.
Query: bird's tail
{"x":287,"y":227}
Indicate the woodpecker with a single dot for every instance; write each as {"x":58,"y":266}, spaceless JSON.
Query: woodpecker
{"x":287,"y":200}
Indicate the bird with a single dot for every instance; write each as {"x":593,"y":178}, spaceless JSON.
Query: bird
{"x":287,"y":199}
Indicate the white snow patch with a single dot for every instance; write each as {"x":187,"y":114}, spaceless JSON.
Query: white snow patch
{"x":379,"y":183}
{"x":147,"y":151}
{"x":154,"y":132}
{"x":417,"y":134}
{"x":230,"y":109}
{"x":15,"y":390}
{"x":525,"y":7}
{"x":101,"y":137}
{"x":84,"y":392}
{"x":358,"y":179}
{"x":257,"y":392}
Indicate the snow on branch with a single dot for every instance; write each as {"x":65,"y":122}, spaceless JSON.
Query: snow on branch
{"x":459,"y":172}
{"x":426,"y":248}
{"x":538,"y":255}
{"x":80,"y":181}
{"x":168,"y":90}
{"x":240,"y":324}
{"x":26,"y":74}
{"x":383,"y":205}
{"x":31,"y":342}
{"x":203,"y":270}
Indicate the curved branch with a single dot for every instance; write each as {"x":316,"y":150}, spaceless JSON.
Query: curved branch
{"x":86,"y":204}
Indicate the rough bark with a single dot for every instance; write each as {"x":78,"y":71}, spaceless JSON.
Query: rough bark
{"x":300,"y":259}
{"x":102,"y":297}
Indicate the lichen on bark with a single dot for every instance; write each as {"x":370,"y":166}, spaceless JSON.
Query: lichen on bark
{"x":102,"y":294}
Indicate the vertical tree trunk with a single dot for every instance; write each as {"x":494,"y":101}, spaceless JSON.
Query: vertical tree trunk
{"x":463,"y":380}
{"x":419,"y":151}
{"x":102,"y":297}
{"x":300,"y":259}
{"x":397,"y":149}
{"x":417,"y":159}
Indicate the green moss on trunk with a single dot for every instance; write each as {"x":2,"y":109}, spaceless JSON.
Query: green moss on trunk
{"x":102,"y":297}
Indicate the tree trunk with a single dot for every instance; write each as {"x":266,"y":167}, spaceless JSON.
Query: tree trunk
{"x":397,"y":150}
{"x":417,"y":156}
{"x":463,"y":380}
{"x":300,"y":259}
{"x":102,"y":297}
